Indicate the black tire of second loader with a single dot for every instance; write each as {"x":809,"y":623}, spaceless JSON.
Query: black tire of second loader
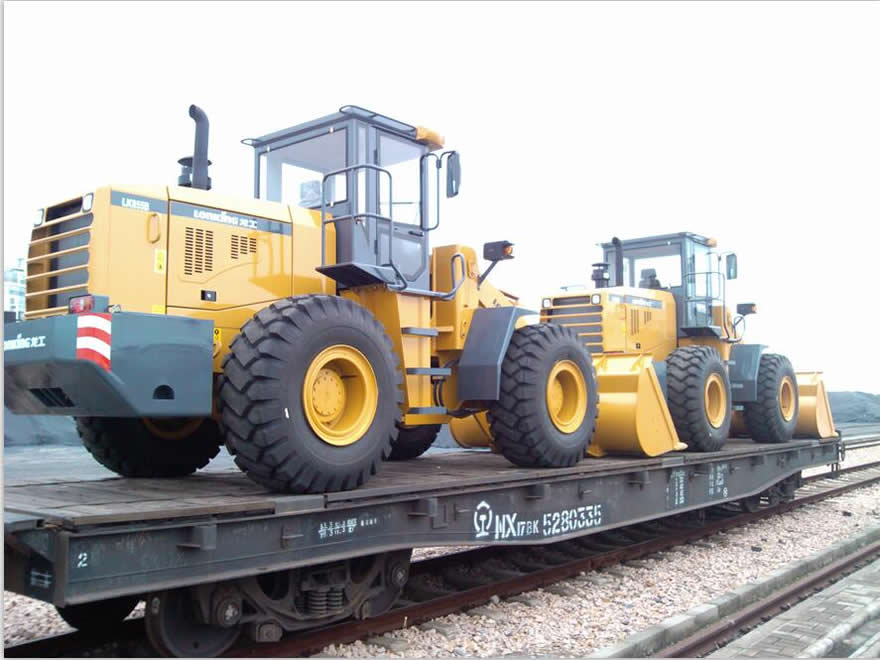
{"x":773,"y":417}
{"x":524,"y":428}
{"x":698,"y":396}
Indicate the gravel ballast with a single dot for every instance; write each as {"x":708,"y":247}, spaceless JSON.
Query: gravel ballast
{"x":593,"y":610}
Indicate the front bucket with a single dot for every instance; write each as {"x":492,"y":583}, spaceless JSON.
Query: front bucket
{"x":471,"y":431}
{"x":814,"y":411}
{"x":633,"y":415}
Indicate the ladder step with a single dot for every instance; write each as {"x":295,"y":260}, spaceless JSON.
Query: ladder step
{"x":428,"y":371}
{"x":428,"y":410}
{"x":420,"y":332}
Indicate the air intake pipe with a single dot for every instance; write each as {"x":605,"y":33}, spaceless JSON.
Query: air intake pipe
{"x":194,"y":169}
{"x":618,"y":261}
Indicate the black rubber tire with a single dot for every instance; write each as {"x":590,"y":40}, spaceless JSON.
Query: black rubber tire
{"x":687,"y":370}
{"x":262,"y":380}
{"x":98,"y":615}
{"x":520,"y":422}
{"x":413,"y":441}
{"x":129,"y":448}
{"x":764,"y":417}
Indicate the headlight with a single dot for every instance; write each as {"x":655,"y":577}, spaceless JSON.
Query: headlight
{"x":546,"y":302}
{"x":87,"y":202}
{"x":38,"y":218}
{"x":596,"y":299}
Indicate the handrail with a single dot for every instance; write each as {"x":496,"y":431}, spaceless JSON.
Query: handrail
{"x":354,"y":216}
{"x":731,"y":337}
{"x":440,"y":295}
{"x":439,"y":167}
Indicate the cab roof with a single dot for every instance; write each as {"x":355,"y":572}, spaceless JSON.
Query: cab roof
{"x":345,"y":112}
{"x":697,"y":238}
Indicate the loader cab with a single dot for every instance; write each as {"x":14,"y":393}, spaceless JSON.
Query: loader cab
{"x":375,"y":178}
{"x":683,"y":264}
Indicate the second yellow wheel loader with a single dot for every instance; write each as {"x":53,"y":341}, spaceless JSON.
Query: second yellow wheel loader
{"x":672,"y":369}
{"x":313,"y":328}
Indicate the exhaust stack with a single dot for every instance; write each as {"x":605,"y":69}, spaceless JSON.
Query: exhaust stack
{"x":194,"y":169}
{"x":618,"y":261}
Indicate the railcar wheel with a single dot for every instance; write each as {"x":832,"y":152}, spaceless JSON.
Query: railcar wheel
{"x":99,"y":614}
{"x":773,"y":417}
{"x":413,"y":441}
{"x":175,"y":632}
{"x":310,"y":395}
{"x":698,"y":395}
{"x":158,"y":447}
{"x":546,"y":413}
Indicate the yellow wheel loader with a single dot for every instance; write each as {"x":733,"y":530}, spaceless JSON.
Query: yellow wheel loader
{"x":672,"y":369}
{"x":312,"y":329}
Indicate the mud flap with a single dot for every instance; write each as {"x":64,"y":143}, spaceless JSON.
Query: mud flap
{"x":633,"y":416}
{"x":814,"y":412}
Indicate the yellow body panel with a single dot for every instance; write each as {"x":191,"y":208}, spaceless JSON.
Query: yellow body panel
{"x":633,"y":416}
{"x":395,"y":311}
{"x":814,"y":415}
{"x":630,"y":320}
{"x":148,"y":261}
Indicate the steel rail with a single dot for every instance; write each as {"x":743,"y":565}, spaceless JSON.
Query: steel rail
{"x":712,"y":637}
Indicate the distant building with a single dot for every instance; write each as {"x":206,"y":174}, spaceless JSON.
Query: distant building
{"x":13,"y":290}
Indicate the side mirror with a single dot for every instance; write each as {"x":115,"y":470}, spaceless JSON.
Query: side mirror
{"x":731,"y":266}
{"x":453,"y":174}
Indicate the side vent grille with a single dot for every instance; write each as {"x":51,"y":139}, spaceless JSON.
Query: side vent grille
{"x":241,"y":246}
{"x":634,"y":321}
{"x":198,"y":251}
{"x":52,"y":397}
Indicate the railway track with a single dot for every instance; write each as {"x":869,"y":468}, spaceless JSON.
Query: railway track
{"x":730,"y":627}
{"x":459,"y":581}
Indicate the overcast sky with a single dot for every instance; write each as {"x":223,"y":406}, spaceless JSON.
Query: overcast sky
{"x":756,"y":123}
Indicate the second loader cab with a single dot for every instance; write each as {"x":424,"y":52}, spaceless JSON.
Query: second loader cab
{"x":373,"y":177}
{"x":685,"y":265}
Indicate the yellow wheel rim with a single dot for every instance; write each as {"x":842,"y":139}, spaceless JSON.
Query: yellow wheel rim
{"x":786,"y":399}
{"x":172,"y":428}
{"x":340,"y":395}
{"x":715,"y":400}
{"x":566,"y":396}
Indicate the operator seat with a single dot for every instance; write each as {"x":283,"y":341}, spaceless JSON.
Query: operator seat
{"x":649,"y":279}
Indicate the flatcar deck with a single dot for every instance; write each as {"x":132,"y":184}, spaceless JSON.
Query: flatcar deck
{"x":71,"y":504}
{"x":71,"y":541}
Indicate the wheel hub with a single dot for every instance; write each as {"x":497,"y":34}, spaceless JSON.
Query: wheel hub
{"x":715,"y":400}
{"x":786,"y":399}
{"x":566,"y":396}
{"x":340,"y":395}
{"x":329,"y":394}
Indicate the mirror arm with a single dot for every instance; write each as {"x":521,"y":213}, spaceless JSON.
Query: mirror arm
{"x":485,"y":274}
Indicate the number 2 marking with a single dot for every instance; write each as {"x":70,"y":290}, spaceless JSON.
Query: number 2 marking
{"x":82,"y":560}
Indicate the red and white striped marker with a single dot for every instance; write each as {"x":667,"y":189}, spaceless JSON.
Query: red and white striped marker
{"x":93,"y":338}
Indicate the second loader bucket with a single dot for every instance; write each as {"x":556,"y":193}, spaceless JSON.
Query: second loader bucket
{"x":633,"y":415}
{"x":471,"y":431}
{"x":814,"y":411}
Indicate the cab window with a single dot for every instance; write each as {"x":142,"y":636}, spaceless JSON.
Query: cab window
{"x":293,"y":174}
